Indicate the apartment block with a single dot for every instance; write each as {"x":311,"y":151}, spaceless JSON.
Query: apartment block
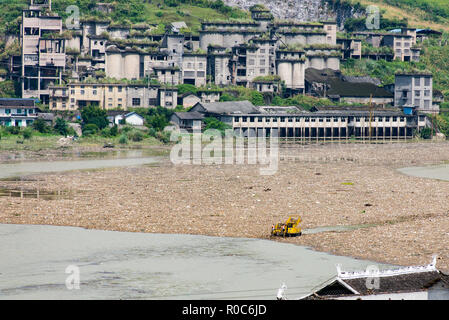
{"x":43,"y":50}
{"x":415,"y":91}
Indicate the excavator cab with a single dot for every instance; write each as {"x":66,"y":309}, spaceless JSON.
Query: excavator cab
{"x":290,"y":228}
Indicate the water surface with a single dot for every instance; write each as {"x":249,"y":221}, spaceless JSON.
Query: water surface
{"x":122,"y":265}
{"x":440,"y":172}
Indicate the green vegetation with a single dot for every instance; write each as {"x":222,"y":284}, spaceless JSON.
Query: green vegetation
{"x":213,"y":123}
{"x":436,"y":10}
{"x":434,"y":58}
{"x":359,"y":24}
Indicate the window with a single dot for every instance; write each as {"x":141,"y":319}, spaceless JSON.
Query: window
{"x":417,"y":81}
{"x":395,"y":119}
{"x":259,"y":119}
{"x":320,"y":119}
{"x":398,"y":44}
{"x":119,"y":89}
{"x":427,"y":103}
{"x":251,"y":62}
{"x":244,"y":119}
{"x":262,"y":62}
{"x":417,"y":93}
{"x":136,"y":101}
{"x":94,"y":92}
{"x":427,"y":82}
{"x":72,"y":100}
{"x":282,"y":119}
{"x":82,"y":91}
{"x":72,"y":91}
{"x":110,"y":89}
{"x":262,"y":50}
{"x":290,"y":119}
{"x":251,"y":119}
{"x":120,"y":99}
{"x":262,"y":71}
{"x":306,"y":119}
{"x":427,"y":93}
{"x":64,"y":105}
{"x":8,"y":111}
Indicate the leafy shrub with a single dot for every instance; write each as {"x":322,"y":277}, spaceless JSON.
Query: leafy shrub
{"x":152,"y":132}
{"x":114,"y":131}
{"x":123,"y":139}
{"x":41,"y":126}
{"x":27,"y":133}
{"x":13,"y":130}
{"x":426,"y":133}
{"x":163,"y":136}
{"x":90,"y":128}
{"x":136,"y":136}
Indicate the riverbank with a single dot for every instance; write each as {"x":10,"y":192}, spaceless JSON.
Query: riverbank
{"x":405,"y":219}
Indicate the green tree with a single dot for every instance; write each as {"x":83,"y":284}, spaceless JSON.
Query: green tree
{"x":214,"y":123}
{"x":61,"y":127}
{"x":94,"y":115}
{"x":41,"y":126}
{"x":257,"y":98}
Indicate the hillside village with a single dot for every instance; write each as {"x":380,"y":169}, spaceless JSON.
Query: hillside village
{"x":120,"y":68}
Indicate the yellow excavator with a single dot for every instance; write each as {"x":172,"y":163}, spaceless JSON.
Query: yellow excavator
{"x":290,"y":228}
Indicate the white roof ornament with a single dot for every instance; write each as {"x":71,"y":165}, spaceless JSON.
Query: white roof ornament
{"x":386,"y":273}
{"x":281,"y":292}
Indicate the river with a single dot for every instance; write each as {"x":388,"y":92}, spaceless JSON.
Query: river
{"x":121,"y":265}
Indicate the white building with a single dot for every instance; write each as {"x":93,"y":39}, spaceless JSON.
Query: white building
{"x":406,"y":283}
{"x":17,"y":112}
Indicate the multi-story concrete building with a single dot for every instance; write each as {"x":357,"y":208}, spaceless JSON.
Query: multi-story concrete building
{"x":167,"y":75}
{"x":106,"y":96}
{"x":168,"y":97}
{"x":43,"y":50}
{"x":414,"y":91}
{"x":194,"y":69}
{"x":218,"y":65}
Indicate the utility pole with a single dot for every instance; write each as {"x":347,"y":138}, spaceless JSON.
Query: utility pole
{"x":370,"y":116}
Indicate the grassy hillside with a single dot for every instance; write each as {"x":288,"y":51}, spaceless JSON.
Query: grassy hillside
{"x":419,"y":13}
{"x":131,"y":11}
